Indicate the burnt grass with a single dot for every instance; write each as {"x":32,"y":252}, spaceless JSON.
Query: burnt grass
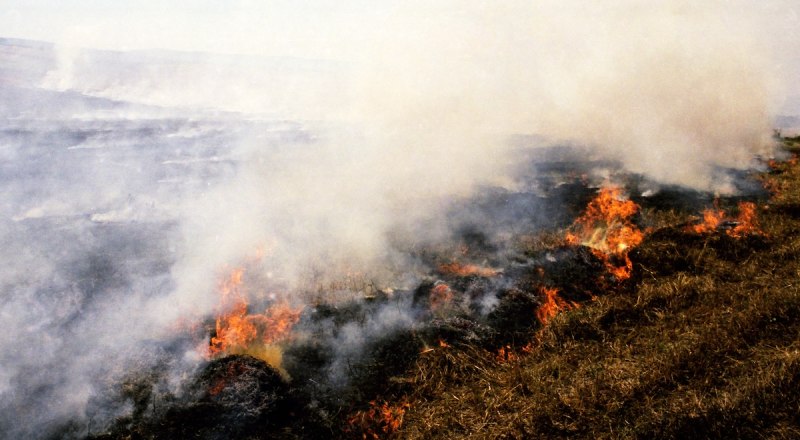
{"x":703,"y":341}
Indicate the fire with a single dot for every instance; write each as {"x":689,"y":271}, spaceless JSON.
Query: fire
{"x":553,"y":304}
{"x":607,"y":227}
{"x":506,"y":354}
{"x":712,"y":218}
{"x":465,"y":270}
{"x":746,"y":223}
{"x":237,"y":331}
{"x":232,"y":326}
{"x":440,"y":296}
{"x":428,"y":349}
{"x":380,"y":420}
{"x":527,"y":348}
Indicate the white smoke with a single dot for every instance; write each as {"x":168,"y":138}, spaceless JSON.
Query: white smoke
{"x":678,"y":92}
{"x":417,"y":111}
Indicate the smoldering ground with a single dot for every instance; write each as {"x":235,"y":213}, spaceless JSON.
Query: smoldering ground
{"x":117,"y":223}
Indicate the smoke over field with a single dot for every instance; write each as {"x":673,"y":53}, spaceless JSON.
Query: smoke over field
{"x":139,"y":184}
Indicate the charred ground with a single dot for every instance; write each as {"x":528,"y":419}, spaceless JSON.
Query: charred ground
{"x":701,"y":342}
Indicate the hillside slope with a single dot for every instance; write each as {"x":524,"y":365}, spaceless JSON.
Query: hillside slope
{"x":704,"y":342}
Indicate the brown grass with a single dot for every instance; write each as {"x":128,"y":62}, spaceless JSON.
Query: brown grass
{"x":703,"y":343}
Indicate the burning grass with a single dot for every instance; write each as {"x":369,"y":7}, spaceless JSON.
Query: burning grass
{"x":379,"y":421}
{"x":703,"y":345}
{"x":682,"y":329}
{"x":714,"y":219}
{"x":237,"y":330}
{"x":607,"y":227}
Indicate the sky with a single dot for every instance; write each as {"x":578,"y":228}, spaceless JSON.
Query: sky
{"x":353,"y":30}
{"x":307,"y":28}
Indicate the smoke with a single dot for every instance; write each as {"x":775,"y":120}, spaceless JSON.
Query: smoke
{"x":676,"y":94}
{"x":119,"y":222}
{"x":680,"y":93}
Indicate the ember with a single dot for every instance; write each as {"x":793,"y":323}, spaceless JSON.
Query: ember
{"x":441,"y":344}
{"x":379,"y":421}
{"x":466,"y":270}
{"x":506,"y":354}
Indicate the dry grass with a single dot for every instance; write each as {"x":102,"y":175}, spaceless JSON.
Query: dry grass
{"x":704,"y":343}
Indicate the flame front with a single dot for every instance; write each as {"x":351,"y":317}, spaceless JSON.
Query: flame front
{"x":607,"y":227}
{"x":746,"y":222}
{"x":233,"y":328}
{"x":712,"y":218}
{"x":553,"y":303}
{"x":237,"y":331}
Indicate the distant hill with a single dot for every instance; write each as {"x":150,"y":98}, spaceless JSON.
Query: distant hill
{"x":23,"y":62}
{"x":278,"y":86}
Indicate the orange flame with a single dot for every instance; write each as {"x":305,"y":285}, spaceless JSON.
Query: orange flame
{"x":746,"y":223}
{"x":607,"y":228}
{"x":712,"y":218}
{"x":428,"y":349}
{"x":527,"y":348}
{"x":506,"y":354}
{"x":553,"y":303}
{"x":237,"y":330}
{"x":440,"y":296}
{"x":380,"y":420}
{"x":465,"y":270}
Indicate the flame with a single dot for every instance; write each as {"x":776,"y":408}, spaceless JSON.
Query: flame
{"x":237,"y":331}
{"x":607,"y":228}
{"x":465,"y":270}
{"x":380,"y":420}
{"x":232,"y":326}
{"x":553,"y":304}
{"x":506,"y":354}
{"x":428,"y":349}
{"x":712,"y":218}
{"x":746,"y":223}
{"x":440,"y":296}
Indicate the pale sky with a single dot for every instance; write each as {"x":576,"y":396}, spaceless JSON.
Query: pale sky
{"x":308,"y":28}
{"x":345,"y":29}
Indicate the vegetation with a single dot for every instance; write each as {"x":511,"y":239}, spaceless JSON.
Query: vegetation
{"x":701,"y":339}
{"x":702,"y":342}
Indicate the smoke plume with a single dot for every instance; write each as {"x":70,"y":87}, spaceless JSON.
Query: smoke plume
{"x":130,"y":189}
